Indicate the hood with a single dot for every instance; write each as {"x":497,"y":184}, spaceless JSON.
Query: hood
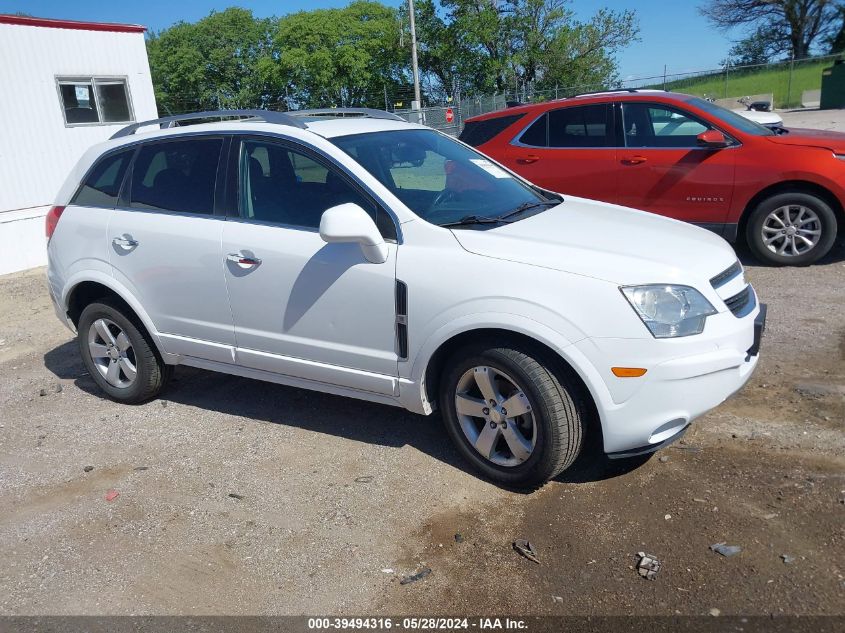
{"x":608,"y":242}
{"x":763,"y":118}
{"x":825,"y":139}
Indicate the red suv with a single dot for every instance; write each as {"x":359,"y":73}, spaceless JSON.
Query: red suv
{"x":683,"y":157}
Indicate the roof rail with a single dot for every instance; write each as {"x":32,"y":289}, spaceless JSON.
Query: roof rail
{"x":623,"y":90}
{"x":368,"y":113}
{"x":268,"y":116}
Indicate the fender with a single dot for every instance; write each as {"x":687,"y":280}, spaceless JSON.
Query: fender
{"x":413,"y":388}
{"x":820,"y":180}
{"x":121,"y":291}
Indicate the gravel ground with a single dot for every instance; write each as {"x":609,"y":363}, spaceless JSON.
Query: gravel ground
{"x":240,"y":497}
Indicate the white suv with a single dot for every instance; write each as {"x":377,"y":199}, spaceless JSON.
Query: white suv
{"x":353,"y":253}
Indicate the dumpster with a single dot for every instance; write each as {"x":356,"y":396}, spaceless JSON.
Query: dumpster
{"x":833,"y":86}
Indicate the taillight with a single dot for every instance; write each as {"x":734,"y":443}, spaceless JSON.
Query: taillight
{"x":52,"y":220}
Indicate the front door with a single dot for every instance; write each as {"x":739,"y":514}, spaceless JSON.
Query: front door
{"x":569,"y":150}
{"x":663,"y":169}
{"x":165,"y":245}
{"x":302,"y":307}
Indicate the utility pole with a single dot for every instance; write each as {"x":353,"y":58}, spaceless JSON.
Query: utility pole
{"x":414,"y":65}
{"x":789,"y":87}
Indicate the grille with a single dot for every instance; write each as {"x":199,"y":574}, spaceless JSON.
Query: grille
{"x":726,"y":275}
{"x":741,"y":303}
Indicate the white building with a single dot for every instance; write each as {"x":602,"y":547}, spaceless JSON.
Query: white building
{"x":66,"y":86}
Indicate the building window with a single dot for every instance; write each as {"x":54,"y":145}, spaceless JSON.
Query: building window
{"x":95,"y":100}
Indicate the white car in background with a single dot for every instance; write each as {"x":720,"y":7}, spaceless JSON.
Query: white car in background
{"x":353,"y":253}
{"x":769,"y":119}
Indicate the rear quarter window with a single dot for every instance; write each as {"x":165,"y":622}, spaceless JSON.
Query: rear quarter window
{"x":477,"y":133}
{"x":102,"y":184}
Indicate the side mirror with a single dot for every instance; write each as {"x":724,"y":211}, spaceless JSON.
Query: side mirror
{"x":350,"y":223}
{"x":712,"y":138}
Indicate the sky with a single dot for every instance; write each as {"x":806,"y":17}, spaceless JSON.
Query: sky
{"x":672,"y":33}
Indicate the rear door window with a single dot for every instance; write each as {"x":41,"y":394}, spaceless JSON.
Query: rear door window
{"x":537,"y":135}
{"x":102,"y":184}
{"x":176,"y":176}
{"x":584,"y":126}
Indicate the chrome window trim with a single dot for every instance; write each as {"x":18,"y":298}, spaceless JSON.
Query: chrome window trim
{"x":516,"y":142}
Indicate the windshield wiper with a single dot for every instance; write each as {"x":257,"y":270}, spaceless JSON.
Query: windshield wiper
{"x":525,"y":206}
{"x":779,"y":130}
{"x":476,"y":219}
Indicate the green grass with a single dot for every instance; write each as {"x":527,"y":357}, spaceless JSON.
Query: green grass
{"x":805,"y":76}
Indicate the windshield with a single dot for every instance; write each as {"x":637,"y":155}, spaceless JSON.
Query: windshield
{"x":441,"y":180}
{"x":732,"y":118}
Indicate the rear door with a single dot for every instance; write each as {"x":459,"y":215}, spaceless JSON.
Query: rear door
{"x":569,"y":150}
{"x":165,"y":244}
{"x":663,"y":169}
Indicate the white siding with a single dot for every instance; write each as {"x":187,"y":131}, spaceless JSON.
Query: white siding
{"x":36,"y":149}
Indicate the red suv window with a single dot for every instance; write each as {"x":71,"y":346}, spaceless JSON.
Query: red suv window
{"x":582,"y":126}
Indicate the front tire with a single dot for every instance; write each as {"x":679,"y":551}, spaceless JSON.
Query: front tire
{"x":118,"y":353}
{"x":791,"y":229}
{"x":511,"y":415}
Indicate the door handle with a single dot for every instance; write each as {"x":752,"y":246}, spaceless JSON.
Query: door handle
{"x":634,"y":160}
{"x":243,"y":260}
{"x":125,"y":241}
{"x":528,"y":159}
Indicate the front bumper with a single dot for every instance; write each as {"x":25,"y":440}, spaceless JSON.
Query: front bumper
{"x":644,"y":414}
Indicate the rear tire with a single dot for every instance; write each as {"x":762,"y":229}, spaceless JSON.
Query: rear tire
{"x":791,"y":229}
{"x":542,"y":434}
{"x":119,"y":354}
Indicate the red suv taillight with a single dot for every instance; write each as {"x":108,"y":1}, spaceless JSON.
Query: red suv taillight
{"x":52,"y":220}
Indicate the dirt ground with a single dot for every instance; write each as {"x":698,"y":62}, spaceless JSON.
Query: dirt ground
{"x":240,"y":497}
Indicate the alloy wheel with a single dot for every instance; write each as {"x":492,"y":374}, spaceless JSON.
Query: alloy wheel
{"x":496,"y":416}
{"x":112,"y":353}
{"x":791,"y":230}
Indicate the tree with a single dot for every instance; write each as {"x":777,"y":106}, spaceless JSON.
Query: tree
{"x":836,"y":41}
{"x":511,"y":45}
{"x":221,"y":61}
{"x":340,"y":57}
{"x":765,"y":43}
{"x":801,"y":23}
{"x":581,"y":54}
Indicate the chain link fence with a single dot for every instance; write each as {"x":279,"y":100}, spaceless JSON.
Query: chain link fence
{"x":787,"y":84}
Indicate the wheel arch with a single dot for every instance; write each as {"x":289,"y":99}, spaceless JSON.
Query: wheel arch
{"x":544,"y":350}
{"x":791,"y":186}
{"x":85,"y":291}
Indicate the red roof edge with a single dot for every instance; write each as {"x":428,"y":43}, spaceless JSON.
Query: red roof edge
{"x":71,"y":24}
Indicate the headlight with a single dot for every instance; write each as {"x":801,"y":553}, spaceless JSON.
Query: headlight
{"x":840,"y":156}
{"x":669,"y":311}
